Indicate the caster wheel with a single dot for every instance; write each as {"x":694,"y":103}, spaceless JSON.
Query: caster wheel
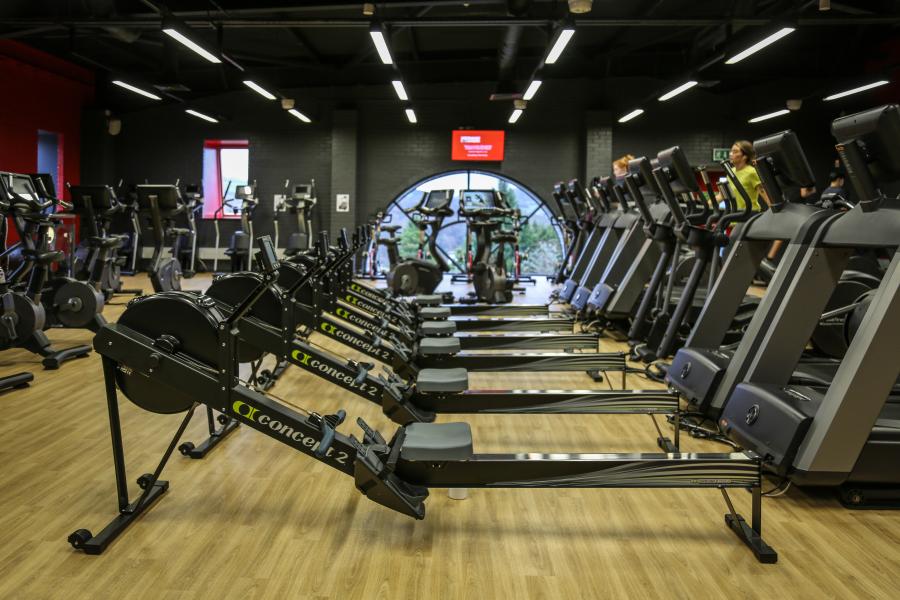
{"x":144,"y":480}
{"x":222,"y":419}
{"x":79,"y":538}
{"x":186,"y":448}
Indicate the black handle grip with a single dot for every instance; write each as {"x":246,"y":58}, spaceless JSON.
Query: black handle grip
{"x":363,"y":372}
{"x":328,"y":429}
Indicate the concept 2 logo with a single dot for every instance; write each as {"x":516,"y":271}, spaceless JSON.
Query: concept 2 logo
{"x":254,"y":415}
{"x":342,"y":377}
{"x":356,"y":341}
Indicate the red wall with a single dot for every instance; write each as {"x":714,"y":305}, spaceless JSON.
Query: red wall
{"x":40,"y":92}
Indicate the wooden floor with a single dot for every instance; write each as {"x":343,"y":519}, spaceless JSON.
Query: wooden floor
{"x":256,"y":519}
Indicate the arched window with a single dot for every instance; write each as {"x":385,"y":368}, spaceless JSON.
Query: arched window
{"x":540,"y":238}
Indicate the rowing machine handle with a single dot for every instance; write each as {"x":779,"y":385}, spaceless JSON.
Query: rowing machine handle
{"x":329,"y":423}
{"x":364,"y":369}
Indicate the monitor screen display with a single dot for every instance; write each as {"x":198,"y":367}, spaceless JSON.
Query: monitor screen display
{"x":478,"y":145}
{"x":475,"y":199}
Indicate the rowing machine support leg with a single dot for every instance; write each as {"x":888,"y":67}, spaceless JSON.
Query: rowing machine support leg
{"x":216,"y":435}
{"x":750,"y":534}
{"x":458,"y":493}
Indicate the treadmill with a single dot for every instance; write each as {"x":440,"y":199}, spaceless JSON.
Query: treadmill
{"x":848,"y":435}
{"x":706,"y":371}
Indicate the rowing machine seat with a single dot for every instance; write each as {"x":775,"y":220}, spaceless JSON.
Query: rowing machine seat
{"x":437,"y":442}
{"x":442,"y":381}
{"x":445,"y":346}
{"x":434,"y":313}
{"x":437,"y":328}
{"x":428,"y":300}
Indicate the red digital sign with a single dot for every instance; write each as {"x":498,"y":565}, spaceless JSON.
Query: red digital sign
{"x":478,"y":145}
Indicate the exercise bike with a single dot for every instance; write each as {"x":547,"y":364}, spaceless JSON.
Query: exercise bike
{"x":411,"y":276}
{"x":485,"y":211}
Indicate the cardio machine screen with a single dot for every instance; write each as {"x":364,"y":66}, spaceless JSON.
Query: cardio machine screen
{"x":478,"y":145}
{"x":474,"y":199}
{"x":438,"y":199}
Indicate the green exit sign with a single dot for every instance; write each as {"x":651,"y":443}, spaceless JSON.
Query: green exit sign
{"x":720,"y":154}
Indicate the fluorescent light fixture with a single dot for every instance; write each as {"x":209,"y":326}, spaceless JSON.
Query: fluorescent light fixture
{"x":381,"y":45}
{"x":681,"y":88}
{"x":533,"y":88}
{"x":259,"y":90}
{"x":300,"y":115}
{"x":411,"y":115}
{"x":635,"y":113}
{"x":515,"y":115}
{"x":401,"y":91}
{"x":200,"y":115}
{"x":861,"y":88}
{"x":136,"y":90}
{"x":564,"y":36}
{"x":759,"y":45}
{"x":771,"y":115}
{"x":177,"y":35}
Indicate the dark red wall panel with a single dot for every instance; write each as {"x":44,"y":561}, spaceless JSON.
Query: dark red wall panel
{"x":41,"y":92}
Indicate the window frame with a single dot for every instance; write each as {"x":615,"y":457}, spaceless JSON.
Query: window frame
{"x":212,"y":194}
{"x":542,"y":205}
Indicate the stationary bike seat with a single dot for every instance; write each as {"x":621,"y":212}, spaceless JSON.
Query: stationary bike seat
{"x":391,"y":228}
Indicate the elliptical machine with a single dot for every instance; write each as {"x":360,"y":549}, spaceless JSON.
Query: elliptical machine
{"x":485,"y":211}
{"x":159,"y":205}
{"x":97,"y":205}
{"x":68,"y":302}
{"x":300,"y":204}
{"x":411,"y":276}
{"x":241,"y":240}
{"x":187,"y":256}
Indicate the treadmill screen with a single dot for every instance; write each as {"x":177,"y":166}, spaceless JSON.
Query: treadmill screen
{"x":478,"y":145}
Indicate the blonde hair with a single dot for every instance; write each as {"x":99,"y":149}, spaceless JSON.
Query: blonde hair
{"x":622,"y":162}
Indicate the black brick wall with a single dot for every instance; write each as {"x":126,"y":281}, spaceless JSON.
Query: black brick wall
{"x":361,"y":143}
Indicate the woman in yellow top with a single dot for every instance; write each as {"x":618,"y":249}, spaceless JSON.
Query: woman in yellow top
{"x":741,"y":157}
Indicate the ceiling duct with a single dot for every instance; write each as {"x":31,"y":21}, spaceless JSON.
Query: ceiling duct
{"x":509,"y":50}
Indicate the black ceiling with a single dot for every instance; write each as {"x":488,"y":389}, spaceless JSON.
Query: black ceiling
{"x":309,"y":44}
